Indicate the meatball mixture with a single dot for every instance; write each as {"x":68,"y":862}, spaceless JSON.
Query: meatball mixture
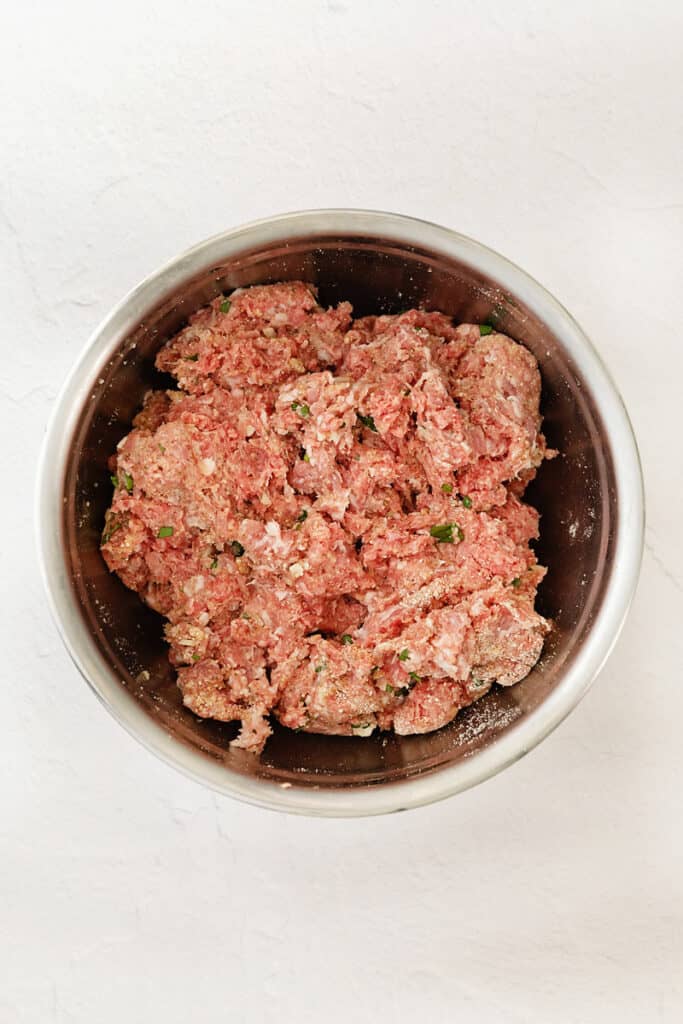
{"x":328,"y":513}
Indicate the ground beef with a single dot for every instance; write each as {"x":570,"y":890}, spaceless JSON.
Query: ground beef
{"x":328,"y":514}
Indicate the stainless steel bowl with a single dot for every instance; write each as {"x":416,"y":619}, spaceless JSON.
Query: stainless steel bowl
{"x":591,"y":501}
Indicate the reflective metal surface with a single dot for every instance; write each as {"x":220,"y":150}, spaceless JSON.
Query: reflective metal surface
{"x":590,"y":499}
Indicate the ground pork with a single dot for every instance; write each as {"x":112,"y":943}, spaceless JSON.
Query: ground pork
{"x":328,"y":514}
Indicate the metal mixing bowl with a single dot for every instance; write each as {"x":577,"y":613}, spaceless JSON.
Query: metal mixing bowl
{"x":591,"y":501}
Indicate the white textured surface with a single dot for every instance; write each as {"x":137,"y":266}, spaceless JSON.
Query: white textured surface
{"x":554,"y":134}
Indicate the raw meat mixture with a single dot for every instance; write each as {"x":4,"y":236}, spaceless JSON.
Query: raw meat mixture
{"x":328,"y":514}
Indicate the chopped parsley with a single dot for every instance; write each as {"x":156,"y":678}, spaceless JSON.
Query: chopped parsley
{"x":196,"y":657}
{"x":191,"y":359}
{"x":466,"y":500}
{"x":321,"y":667}
{"x":414,"y":677}
{"x":162,"y":449}
{"x":165,"y":531}
{"x":367,"y":421}
{"x":443,"y":533}
{"x":404,"y":655}
{"x":388,"y":688}
{"x":126,"y":480}
{"x":225,"y":306}
{"x":236,"y":548}
{"x":347,"y":639}
{"x":447,"y":488}
{"x":485,"y":329}
{"x":516,"y":582}
{"x":301,"y":408}
{"x":214,"y":564}
{"x":303,"y":516}
{"x":306,"y":457}
{"x":112,"y":524}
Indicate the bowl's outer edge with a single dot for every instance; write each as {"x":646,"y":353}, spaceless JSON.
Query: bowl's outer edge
{"x":383,"y":798}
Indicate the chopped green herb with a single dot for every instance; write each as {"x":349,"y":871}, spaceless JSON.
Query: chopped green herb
{"x":404,"y":655}
{"x":347,"y":639}
{"x":236,"y":548}
{"x":477,"y":684}
{"x":320,"y":668}
{"x":214,"y":564}
{"x":306,"y":457}
{"x":414,"y":677}
{"x":516,"y":582}
{"x":126,"y":480}
{"x":485,"y":329}
{"x":225,"y":306}
{"x":303,"y":516}
{"x":467,"y":501}
{"x":301,"y":408}
{"x":162,"y":449}
{"x":367,"y":421}
{"x":447,"y":488}
{"x":196,"y":657}
{"x":443,"y":533}
{"x":165,"y":531}
{"x":112,"y":524}
{"x":388,"y":688}
{"x":191,"y":359}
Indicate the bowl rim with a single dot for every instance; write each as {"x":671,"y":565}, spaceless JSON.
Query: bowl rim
{"x":378,"y":798}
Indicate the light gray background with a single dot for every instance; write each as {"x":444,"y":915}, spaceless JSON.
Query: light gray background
{"x":553,"y":133}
